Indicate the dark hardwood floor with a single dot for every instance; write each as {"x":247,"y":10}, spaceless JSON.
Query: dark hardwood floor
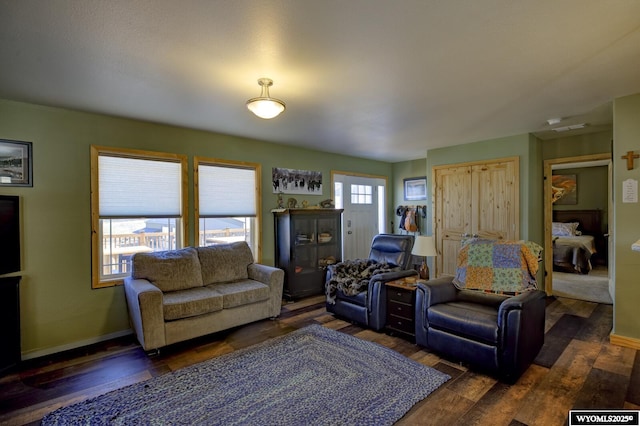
{"x":577,"y":368}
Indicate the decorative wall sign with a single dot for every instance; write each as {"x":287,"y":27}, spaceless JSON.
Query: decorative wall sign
{"x":291,"y":181}
{"x":15,"y":163}
{"x":415,"y":188}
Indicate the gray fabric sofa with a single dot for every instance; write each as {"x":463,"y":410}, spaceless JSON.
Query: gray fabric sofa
{"x":177,"y":295}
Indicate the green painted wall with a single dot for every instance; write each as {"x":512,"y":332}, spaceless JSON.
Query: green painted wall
{"x":626,"y":228}
{"x":58,"y":307}
{"x":575,"y":146}
{"x":401,"y":171}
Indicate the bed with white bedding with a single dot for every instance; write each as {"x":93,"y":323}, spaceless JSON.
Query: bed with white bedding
{"x":573,"y":253}
{"x":574,"y":236}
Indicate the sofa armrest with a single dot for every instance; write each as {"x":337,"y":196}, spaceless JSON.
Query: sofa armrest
{"x":521,"y":321}
{"x":144,"y":301}
{"x":393,"y":275}
{"x":274,"y":278}
{"x":440,"y":290}
{"x":520,"y":301}
{"x":429,"y":293}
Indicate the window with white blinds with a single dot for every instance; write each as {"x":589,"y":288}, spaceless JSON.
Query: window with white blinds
{"x":138,"y":205}
{"x":228,"y":203}
{"x":134,"y":187}
{"x":226,"y":190}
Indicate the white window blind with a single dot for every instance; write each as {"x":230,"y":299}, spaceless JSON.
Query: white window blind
{"x":137,"y":187}
{"x":226,"y":191}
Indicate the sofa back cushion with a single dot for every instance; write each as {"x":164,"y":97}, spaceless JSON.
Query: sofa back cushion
{"x":225,"y":262}
{"x":170,"y":270}
{"x":392,"y":248}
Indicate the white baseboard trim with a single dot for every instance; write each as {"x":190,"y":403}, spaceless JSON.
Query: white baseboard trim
{"x":50,"y":351}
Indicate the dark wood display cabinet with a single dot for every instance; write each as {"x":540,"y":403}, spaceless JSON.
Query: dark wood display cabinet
{"x":306,"y":242}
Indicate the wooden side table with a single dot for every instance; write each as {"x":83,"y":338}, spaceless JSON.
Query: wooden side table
{"x":401,"y":302}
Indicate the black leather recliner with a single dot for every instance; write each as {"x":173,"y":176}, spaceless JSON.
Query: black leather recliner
{"x":499,"y":334}
{"x":369,"y":307}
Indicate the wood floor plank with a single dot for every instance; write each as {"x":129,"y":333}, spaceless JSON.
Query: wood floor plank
{"x":598,"y":326}
{"x":557,"y":339}
{"x":602,"y":390}
{"x":633,"y":391}
{"x":499,"y":405}
{"x":550,"y":401}
{"x":472,"y":386}
{"x":442,"y":407}
{"x":615,"y":359}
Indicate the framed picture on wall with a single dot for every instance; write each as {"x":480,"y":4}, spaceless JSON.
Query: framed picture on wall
{"x":15,"y":163}
{"x":415,"y":188}
{"x":564,"y":189}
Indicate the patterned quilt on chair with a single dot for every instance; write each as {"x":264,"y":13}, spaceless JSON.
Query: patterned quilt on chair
{"x":495,"y":266}
{"x":353,"y":276}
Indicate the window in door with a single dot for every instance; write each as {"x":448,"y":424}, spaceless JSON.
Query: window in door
{"x":361,"y":194}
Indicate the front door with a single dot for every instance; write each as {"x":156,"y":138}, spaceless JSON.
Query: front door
{"x":362,"y":199}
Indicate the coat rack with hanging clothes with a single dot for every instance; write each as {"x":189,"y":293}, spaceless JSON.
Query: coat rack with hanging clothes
{"x":410,"y":217}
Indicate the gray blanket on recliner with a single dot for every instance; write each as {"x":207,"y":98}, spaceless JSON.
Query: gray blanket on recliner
{"x":353,"y":276}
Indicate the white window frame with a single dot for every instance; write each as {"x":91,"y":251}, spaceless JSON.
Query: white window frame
{"x":255,"y":239}
{"x":97,"y":281}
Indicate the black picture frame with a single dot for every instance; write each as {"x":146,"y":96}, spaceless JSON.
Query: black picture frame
{"x":16,"y":163}
{"x":415,"y":188}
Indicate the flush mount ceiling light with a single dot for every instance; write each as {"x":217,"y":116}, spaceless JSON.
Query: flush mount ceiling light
{"x":265,"y":106}
{"x":571,"y":127}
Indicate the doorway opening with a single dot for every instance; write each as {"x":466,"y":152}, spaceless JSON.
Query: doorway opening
{"x":579,"y":269}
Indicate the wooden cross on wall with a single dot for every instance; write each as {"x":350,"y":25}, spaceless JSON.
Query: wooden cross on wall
{"x":630,"y":157}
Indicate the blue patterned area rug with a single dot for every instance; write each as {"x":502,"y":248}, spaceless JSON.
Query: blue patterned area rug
{"x":311,"y":376}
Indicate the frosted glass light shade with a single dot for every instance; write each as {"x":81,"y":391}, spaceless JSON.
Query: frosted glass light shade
{"x":265,"y":106}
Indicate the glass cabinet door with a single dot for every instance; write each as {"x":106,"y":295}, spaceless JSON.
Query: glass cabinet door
{"x":307,"y":241}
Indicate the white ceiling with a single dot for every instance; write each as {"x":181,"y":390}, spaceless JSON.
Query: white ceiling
{"x":379,"y":79}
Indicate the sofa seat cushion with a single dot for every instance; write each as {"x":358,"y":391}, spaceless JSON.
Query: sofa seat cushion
{"x":190,"y":303}
{"x":470,"y":320}
{"x":170,"y":270}
{"x":242,"y":292}
{"x":224,"y":263}
{"x":359,"y":299}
